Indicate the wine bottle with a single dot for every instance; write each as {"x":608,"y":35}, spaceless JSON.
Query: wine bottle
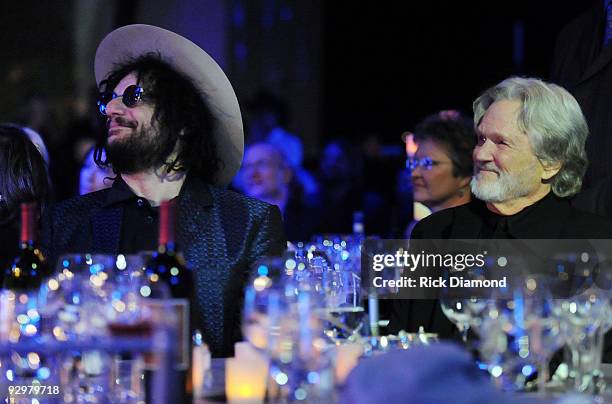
{"x":167,"y":266}
{"x":167,"y":263}
{"x":29,"y":268}
{"x":171,"y":284}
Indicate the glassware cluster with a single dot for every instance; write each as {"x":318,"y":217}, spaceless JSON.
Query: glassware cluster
{"x":522,"y":332}
{"x":88,"y":331}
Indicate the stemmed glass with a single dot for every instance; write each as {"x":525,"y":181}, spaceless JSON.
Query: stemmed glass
{"x":283,"y":307}
{"x":334,"y":264}
{"x":75,"y":302}
{"x":463,"y":306}
{"x":584,"y":314}
{"x":77,"y":295}
{"x":269,"y":275}
{"x":459,"y":313}
{"x":520,"y":332}
{"x":301,"y":365}
{"x":534,"y":314}
{"x":128,"y":286}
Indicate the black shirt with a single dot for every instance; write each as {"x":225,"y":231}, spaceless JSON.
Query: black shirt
{"x":139,"y":227}
{"x":549,"y":218}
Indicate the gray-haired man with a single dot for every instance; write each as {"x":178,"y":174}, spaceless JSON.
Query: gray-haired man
{"x":528,"y":161}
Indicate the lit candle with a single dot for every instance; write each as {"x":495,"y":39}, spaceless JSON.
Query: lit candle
{"x":245,"y":380}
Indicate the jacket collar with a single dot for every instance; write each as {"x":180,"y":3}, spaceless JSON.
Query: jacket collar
{"x":196,"y":190}
{"x":119,"y":192}
{"x":193,"y":189}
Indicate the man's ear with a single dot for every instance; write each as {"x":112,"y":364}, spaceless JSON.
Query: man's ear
{"x":551,"y":168}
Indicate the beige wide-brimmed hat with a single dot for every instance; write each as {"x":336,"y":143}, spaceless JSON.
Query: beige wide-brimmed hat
{"x":188,"y":58}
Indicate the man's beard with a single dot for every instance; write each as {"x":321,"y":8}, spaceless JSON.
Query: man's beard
{"x":506,"y":187}
{"x":145,"y":149}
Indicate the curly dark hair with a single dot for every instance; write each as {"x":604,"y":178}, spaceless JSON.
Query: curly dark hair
{"x":23,"y":172}
{"x":180,"y":111}
{"x":455,"y":133}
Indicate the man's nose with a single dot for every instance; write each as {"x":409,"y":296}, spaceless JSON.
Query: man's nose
{"x":115,"y":107}
{"x":483,"y":152}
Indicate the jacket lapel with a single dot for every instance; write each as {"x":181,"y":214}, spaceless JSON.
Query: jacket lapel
{"x":200,"y":237}
{"x":194,"y":218}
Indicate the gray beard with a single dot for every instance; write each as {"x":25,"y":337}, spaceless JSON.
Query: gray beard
{"x":505,"y":188}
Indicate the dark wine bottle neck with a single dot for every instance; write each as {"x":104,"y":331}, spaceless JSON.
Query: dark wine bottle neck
{"x":166,"y":224}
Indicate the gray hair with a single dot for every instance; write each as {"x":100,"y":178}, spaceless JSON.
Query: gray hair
{"x":552,"y":119}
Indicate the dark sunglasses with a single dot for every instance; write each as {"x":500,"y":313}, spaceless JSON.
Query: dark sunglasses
{"x":131,"y":96}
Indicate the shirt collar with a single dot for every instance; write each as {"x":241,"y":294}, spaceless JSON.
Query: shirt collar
{"x":193,"y":188}
{"x":119,"y":192}
{"x":539,"y":220}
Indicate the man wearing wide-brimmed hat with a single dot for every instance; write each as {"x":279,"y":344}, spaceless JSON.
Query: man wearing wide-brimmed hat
{"x":174,"y":132}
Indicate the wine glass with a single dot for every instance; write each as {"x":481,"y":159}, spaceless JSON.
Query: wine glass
{"x":535,"y":314}
{"x":459,"y":313}
{"x":463,"y":306}
{"x":269,"y":276}
{"x":300,"y":358}
{"x":79,"y":295}
{"x":520,"y":331}
{"x":585,"y":315}
{"x":335,"y":272}
{"x":127,"y":317}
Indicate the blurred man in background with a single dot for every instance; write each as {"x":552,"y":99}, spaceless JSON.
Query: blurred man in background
{"x":268,"y":121}
{"x":267,"y":175}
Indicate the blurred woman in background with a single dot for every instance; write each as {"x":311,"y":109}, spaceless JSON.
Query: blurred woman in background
{"x":23,"y":178}
{"x":442,"y":165}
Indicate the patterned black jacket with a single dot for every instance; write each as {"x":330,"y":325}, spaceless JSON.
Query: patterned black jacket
{"x":221,"y":234}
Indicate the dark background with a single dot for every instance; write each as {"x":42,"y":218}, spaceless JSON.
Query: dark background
{"x":388,"y":65}
{"x":359,"y":70}
{"x":376,"y":67}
